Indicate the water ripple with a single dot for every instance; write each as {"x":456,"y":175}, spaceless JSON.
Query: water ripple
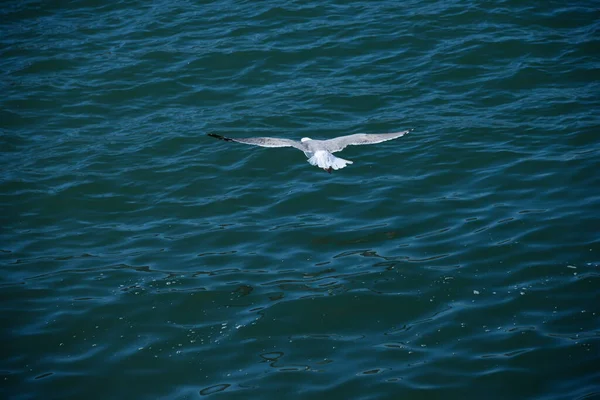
{"x":448,"y":263}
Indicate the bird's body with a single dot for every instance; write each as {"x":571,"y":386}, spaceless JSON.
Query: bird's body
{"x":319,"y":152}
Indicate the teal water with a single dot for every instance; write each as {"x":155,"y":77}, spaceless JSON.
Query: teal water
{"x":142,"y":259}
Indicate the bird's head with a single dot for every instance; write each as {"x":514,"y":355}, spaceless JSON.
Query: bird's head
{"x":305,"y":139}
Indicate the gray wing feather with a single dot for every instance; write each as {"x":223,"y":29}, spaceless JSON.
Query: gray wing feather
{"x":340,"y":143}
{"x":262,"y":141}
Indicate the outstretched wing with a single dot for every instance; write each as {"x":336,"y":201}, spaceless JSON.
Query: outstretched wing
{"x":262,"y":141}
{"x":340,"y":143}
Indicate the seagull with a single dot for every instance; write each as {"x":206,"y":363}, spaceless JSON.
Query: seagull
{"x":319,"y":152}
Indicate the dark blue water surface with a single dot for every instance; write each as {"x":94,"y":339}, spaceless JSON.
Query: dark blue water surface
{"x":142,"y":259}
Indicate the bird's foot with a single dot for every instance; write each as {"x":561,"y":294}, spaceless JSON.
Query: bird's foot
{"x":328,"y":170}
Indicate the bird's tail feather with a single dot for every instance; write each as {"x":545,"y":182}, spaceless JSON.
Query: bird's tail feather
{"x":326,"y":160}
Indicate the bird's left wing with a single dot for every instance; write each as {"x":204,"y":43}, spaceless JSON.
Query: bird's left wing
{"x":262,"y":141}
{"x":340,"y":143}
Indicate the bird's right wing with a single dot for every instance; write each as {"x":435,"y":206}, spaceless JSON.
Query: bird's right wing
{"x":340,"y":143}
{"x":262,"y":141}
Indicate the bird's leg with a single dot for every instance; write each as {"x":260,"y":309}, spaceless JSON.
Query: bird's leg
{"x":328,"y":170}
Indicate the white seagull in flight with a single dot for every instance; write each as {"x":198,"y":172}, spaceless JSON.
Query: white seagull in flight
{"x":319,"y":152}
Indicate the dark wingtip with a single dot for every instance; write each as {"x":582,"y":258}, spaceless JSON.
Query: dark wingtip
{"x":220,"y":137}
